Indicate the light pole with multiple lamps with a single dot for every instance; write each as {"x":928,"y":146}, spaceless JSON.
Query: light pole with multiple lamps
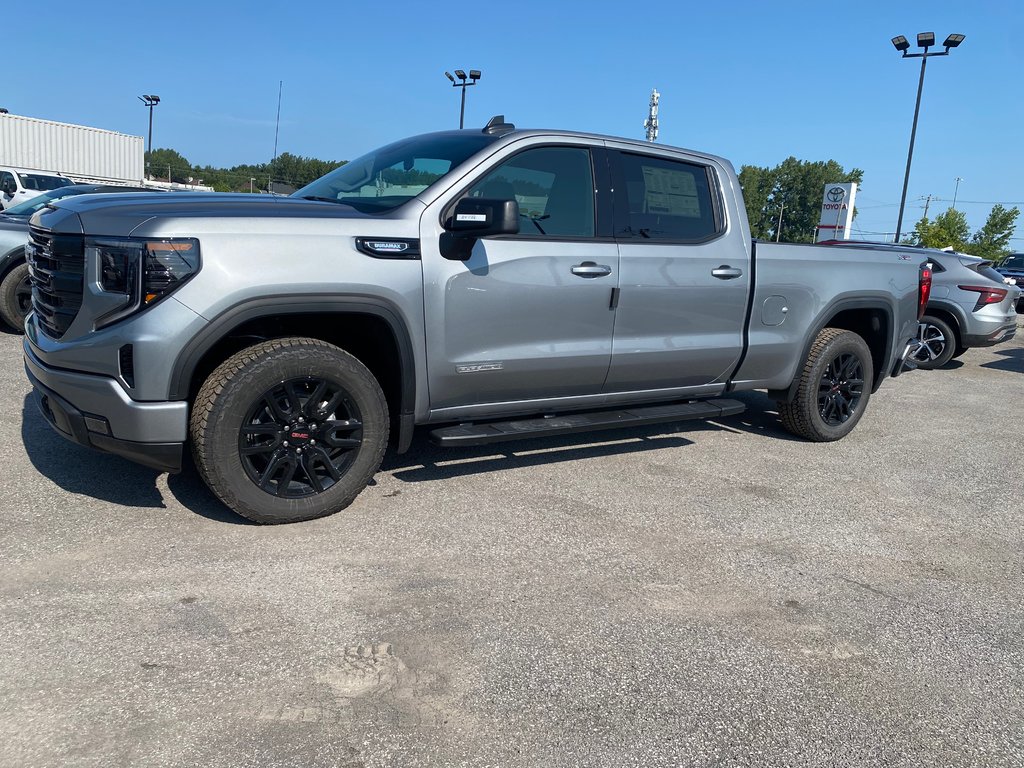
{"x":150,"y":101}
{"x":474,"y":75}
{"x":925,"y":40}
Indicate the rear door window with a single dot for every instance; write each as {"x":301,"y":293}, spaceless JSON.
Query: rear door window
{"x":667,"y":200}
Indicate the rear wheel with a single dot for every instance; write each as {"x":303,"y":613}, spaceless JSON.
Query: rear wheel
{"x":937,"y":343}
{"x":834,"y":387}
{"x":16,"y":297}
{"x":288,"y":430}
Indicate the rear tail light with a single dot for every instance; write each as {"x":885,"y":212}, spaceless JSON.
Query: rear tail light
{"x":986,"y":294}
{"x":924,"y":289}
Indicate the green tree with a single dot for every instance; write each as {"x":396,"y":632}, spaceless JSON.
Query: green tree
{"x":992,"y":241}
{"x":161,"y":162}
{"x":948,"y":230}
{"x":792,"y":188}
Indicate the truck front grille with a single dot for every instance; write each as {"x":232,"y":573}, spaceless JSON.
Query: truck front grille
{"x":57,"y":265}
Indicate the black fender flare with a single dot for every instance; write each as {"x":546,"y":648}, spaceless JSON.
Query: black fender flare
{"x":188,"y":358}
{"x":824,"y":318}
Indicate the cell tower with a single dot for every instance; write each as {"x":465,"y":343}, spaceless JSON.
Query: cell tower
{"x":651,"y":123}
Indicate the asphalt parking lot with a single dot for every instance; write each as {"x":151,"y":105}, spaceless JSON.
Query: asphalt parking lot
{"x":692,"y":595}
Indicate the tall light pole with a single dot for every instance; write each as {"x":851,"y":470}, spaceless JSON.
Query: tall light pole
{"x":955,"y":190}
{"x":150,"y":101}
{"x":925,"y":40}
{"x":474,"y":75}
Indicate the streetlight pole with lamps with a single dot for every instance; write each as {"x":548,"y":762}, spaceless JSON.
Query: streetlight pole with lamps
{"x":925,"y":40}
{"x":474,"y":75}
{"x":150,"y":101}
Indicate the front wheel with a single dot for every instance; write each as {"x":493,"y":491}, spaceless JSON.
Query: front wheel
{"x":288,"y":430}
{"x":16,"y":297}
{"x":833,"y":390}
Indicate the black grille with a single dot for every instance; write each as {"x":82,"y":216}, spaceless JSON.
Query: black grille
{"x":58,"y":271}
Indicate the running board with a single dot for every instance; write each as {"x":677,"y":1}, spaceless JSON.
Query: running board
{"x":543,"y":426}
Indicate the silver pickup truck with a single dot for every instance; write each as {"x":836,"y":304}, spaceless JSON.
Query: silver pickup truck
{"x":488,"y":285}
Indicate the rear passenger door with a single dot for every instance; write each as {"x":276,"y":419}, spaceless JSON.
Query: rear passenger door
{"x":684,"y":276}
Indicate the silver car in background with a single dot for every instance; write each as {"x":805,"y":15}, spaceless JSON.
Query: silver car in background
{"x":971,"y":305}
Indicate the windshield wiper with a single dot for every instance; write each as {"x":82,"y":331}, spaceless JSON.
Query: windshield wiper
{"x":324,"y":199}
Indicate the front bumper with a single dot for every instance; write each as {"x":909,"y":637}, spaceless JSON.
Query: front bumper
{"x":96,"y":412}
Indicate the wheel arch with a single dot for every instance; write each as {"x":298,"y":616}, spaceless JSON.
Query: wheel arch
{"x":943,"y":312}
{"x":370,"y":328}
{"x":12,"y":259}
{"x":870,"y":318}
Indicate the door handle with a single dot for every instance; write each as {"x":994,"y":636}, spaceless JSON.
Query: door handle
{"x":725,"y":272}
{"x":591,"y":269}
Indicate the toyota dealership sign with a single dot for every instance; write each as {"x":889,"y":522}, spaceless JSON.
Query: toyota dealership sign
{"x":836,"y":212}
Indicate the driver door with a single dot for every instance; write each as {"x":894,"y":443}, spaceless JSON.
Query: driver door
{"x":528,"y":316}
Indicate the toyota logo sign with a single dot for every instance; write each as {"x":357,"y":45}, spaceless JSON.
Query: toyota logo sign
{"x":836,"y":194}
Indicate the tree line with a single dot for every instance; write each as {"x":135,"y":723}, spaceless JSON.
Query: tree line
{"x":294,"y":170}
{"x":784,"y":203}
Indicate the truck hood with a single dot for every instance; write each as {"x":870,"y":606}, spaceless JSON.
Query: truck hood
{"x":114,"y":215}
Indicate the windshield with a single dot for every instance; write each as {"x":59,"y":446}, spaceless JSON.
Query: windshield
{"x":38,"y":202}
{"x":386,"y":178}
{"x":41,"y":182}
{"x":1014,"y":262}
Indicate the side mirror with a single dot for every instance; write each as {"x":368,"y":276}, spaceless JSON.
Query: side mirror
{"x":476,"y":217}
{"x":8,"y":187}
{"x":481,"y":217}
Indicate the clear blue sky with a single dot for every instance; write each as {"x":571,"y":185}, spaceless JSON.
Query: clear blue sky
{"x":752,"y":81}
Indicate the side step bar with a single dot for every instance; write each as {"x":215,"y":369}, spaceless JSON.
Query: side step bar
{"x":542,"y":426}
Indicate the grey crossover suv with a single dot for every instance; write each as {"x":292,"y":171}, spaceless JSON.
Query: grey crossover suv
{"x":970,"y":304}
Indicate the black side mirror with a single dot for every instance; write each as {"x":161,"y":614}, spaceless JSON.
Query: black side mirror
{"x":8,"y":188}
{"x":476,"y":217}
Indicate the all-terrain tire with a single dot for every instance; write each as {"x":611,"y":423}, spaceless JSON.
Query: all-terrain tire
{"x":289,"y":429}
{"x":938,"y":343}
{"x":833,"y":390}
{"x":15,"y":297}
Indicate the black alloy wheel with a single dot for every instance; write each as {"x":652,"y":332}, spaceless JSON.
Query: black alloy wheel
{"x":289,"y":429}
{"x":832,"y":389}
{"x":300,"y":437}
{"x":23,"y":294}
{"x":840,"y":389}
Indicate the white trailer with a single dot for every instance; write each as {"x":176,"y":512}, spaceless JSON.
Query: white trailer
{"x":84,"y":154}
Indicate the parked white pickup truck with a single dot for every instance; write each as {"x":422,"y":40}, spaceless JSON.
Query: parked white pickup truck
{"x":18,"y":185}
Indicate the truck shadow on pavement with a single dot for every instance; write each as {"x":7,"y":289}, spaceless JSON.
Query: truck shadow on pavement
{"x":115,"y":480}
{"x":83,"y":471}
{"x":425,"y":461}
{"x":1013,"y":361}
{"x":110,"y":478}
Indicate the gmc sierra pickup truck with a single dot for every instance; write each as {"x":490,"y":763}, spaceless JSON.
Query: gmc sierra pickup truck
{"x":488,"y":284}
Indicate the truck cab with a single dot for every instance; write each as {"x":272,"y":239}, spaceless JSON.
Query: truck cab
{"x":18,"y":185}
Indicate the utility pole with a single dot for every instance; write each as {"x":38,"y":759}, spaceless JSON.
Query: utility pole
{"x":955,"y":190}
{"x":927,"y":202}
{"x":778,"y":227}
{"x":651,"y":123}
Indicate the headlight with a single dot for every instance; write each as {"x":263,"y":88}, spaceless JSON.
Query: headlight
{"x":133,"y":274}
